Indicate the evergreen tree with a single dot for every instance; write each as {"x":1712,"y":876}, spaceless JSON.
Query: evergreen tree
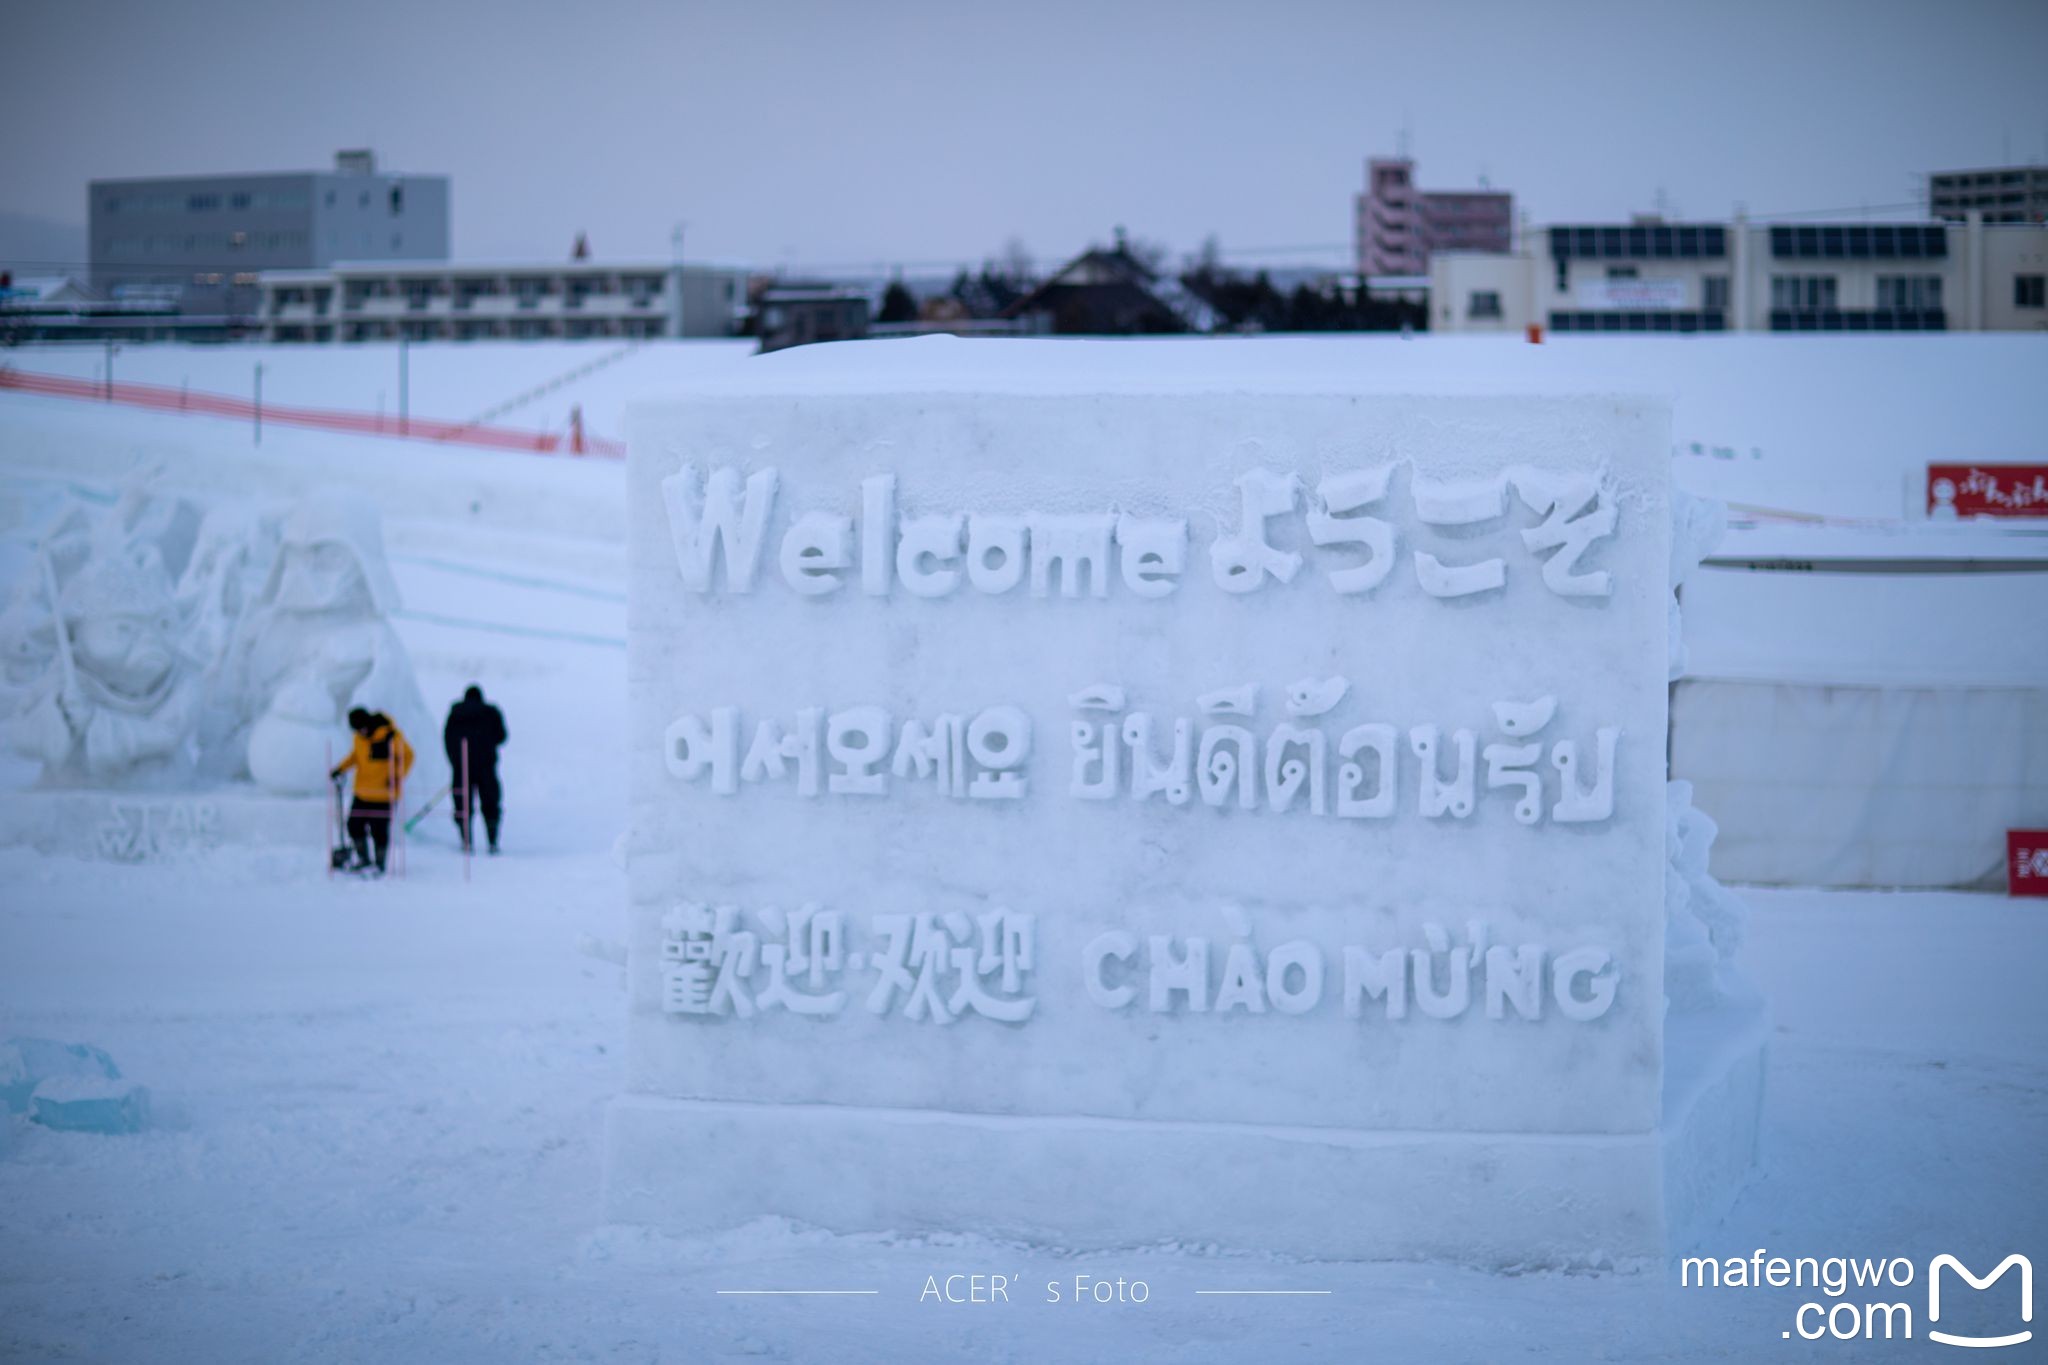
{"x":898,"y":304}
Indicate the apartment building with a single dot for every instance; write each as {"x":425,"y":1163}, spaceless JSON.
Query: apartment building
{"x":519,"y":301}
{"x":1396,"y":226}
{"x":2002,"y":194}
{"x":1651,"y":276}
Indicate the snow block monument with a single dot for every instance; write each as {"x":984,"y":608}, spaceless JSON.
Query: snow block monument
{"x":1077,"y":802}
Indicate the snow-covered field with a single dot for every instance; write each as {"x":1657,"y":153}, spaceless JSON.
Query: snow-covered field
{"x":1793,"y":422}
{"x":379,"y":1107}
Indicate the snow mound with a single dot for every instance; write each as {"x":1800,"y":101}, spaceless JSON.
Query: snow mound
{"x":27,"y":1063}
{"x":90,"y":1104}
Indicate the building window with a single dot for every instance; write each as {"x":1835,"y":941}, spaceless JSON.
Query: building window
{"x":1682,"y":320}
{"x":1621,"y":272}
{"x":1802,"y":292}
{"x":1485,"y":303}
{"x":1882,"y":241}
{"x":397,"y":200}
{"x":2028,"y":291}
{"x":1919,"y":292}
{"x":1714,"y":291}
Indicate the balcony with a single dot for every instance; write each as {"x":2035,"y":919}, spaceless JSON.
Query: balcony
{"x":374,"y":306}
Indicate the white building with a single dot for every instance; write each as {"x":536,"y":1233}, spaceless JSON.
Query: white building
{"x":1651,"y":276}
{"x":385,"y":300}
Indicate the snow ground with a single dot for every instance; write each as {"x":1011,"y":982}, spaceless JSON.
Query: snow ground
{"x":380,"y":1107}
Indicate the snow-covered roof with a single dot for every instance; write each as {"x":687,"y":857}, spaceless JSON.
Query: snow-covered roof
{"x":49,"y":289}
{"x":437,"y":269}
{"x":1932,"y":543}
{"x":527,"y":264}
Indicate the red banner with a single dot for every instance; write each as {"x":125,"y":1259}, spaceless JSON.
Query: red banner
{"x":1987,"y":490}
{"x":2026,"y":862}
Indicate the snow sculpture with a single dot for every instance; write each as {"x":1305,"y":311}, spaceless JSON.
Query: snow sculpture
{"x":1154,"y":553}
{"x":1314,"y":696}
{"x":105,"y":673}
{"x":1697,"y":525}
{"x":117,"y":698}
{"x":1440,"y":796}
{"x":1580,"y":803}
{"x":1230,"y":701}
{"x":1074,"y":549}
{"x":1241,"y":563}
{"x":1439,"y":579}
{"x":1381,"y":740}
{"x":1350,"y":492}
{"x":159,"y":651}
{"x":1204,"y":930}
{"x":1702,"y":918}
{"x":1098,"y":697}
{"x":159,"y":644}
{"x":316,"y":642}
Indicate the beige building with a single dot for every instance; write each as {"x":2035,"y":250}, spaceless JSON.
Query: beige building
{"x":1651,"y":276}
{"x":2015,"y":268}
{"x":519,"y":301}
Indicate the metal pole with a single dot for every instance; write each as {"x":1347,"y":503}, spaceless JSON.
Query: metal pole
{"x":110,"y":370}
{"x":468,"y":838}
{"x":259,"y":403}
{"x":675,"y":280}
{"x":391,"y":817}
{"x":403,"y":422}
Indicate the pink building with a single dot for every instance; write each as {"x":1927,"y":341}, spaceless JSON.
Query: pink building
{"x":1399,"y":225}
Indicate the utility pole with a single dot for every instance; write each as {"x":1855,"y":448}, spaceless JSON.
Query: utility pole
{"x":675,"y":283}
{"x":259,"y":403}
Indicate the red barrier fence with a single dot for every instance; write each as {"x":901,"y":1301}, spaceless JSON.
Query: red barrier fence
{"x":162,"y":398}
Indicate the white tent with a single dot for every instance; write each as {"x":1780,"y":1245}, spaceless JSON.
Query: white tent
{"x":1849,"y":726}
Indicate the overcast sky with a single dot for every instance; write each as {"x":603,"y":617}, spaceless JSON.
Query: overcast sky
{"x":785,"y":131}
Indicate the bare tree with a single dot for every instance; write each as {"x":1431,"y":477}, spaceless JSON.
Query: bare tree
{"x":1016,"y":264}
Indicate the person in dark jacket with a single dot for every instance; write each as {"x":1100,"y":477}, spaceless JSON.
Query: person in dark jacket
{"x":475,"y":723}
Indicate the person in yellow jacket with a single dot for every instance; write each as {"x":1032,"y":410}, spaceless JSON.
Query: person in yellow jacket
{"x":381,"y":758}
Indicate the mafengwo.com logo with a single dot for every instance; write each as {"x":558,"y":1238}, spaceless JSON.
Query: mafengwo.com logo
{"x":1946,"y":1262}
{"x":1879,"y":1313}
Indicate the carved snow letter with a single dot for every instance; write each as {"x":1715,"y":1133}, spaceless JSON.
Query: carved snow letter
{"x":1348,"y":493}
{"x":705,"y":518}
{"x":1240,"y":563}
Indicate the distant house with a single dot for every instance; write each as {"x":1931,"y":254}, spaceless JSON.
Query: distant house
{"x":798,"y":314}
{"x":46,"y":293}
{"x":1113,"y":293}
